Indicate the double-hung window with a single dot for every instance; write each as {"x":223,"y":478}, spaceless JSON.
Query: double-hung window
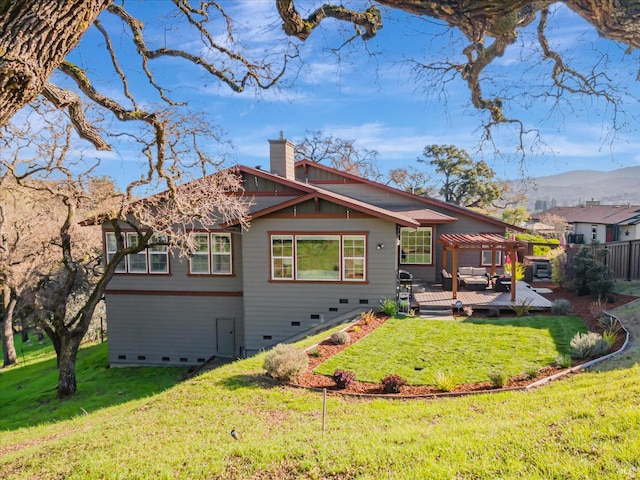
{"x":318,"y":257}
{"x":416,"y":245}
{"x":354,"y":254}
{"x":211,"y":254}
{"x":152,"y":259}
{"x":282,"y":257}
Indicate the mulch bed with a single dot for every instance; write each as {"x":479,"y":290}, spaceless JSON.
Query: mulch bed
{"x":581,"y":306}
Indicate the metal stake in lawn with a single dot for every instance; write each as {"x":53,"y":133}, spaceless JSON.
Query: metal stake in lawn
{"x":324,"y":408}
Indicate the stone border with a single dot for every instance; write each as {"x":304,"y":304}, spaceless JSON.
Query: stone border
{"x":525,"y":388}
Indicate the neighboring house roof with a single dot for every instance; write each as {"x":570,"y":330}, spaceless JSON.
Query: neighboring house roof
{"x":598,"y":214}
{"x":350,"y":178}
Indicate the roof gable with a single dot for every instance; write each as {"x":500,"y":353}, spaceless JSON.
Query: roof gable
{"x":318,"y":174}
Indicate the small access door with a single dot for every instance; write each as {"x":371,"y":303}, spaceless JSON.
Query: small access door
{"x":225,"y":337}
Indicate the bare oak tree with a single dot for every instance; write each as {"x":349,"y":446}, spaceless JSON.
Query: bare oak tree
{"x":489,"y":28}
{"x":340,"y":153}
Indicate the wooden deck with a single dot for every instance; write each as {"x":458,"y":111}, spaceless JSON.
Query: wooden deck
{"x":484,"y":299}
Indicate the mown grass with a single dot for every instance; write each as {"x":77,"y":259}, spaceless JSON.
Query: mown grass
{"x":582,"y":427}
{"x":465,"y":351}
{"x":34,"y":380}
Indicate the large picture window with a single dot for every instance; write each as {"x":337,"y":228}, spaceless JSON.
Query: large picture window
{"x":322,"y":257}
{"x":152,"y":259}
{"x":416,"y":245}
{"x":211,"y":255}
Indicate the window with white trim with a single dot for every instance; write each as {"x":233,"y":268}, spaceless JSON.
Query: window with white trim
{"x":416,"y":245}
{"x":211,"y":255}
{"x":485,"y":259}
{"x":282,"y":257}
{"x":111,"y":246}
{"x":354,"y":254}
{"x":318,"y":257}
{"x":153,"y":259}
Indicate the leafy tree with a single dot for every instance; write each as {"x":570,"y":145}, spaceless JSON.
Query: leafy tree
{"x":339,"y":153}
{"x":516,"y":215}
{"x":466,"y":183}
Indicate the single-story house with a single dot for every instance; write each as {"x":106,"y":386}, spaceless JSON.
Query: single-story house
{"x":602,"y":223}
{"x":322,"y":245}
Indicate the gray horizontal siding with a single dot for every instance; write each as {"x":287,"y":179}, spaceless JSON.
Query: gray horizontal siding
{"x":177,"y":327}
{"x":271,"y":307}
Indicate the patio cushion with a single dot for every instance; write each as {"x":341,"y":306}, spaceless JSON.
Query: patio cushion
{"x":465,"y":270}
{"x":478,"y":272}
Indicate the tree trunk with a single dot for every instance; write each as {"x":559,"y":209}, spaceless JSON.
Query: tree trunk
{"x":8,"y":347}
{"x":69,"y":345}
{"x":35,"y":37}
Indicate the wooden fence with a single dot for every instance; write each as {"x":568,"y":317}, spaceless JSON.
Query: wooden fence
{"x":623,"y":258}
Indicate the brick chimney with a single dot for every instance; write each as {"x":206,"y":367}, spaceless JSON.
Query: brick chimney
{"x":282,"y":157}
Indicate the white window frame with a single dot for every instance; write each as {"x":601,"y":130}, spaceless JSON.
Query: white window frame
{"x":283,"y":258}
{"x":215,"y":252}
{"x":487,"y":252}
{"x":403,"y":256}
{"x":207,"y":248}
{"x":354,"y":258}
{"x":342,"y":258}
{"x":594,"y":232}
{"x":111,"y":247}
{"x":158,"y":251}
{"x":131,"y":238}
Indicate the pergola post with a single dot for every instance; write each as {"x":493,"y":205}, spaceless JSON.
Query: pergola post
{"x":454,"y":273}
{"x":513,"y":254}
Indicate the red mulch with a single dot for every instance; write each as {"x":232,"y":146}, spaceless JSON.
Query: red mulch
{"x":580,"y":306}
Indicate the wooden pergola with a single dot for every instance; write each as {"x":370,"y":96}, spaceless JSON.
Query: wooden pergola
{"x":457,"y":243}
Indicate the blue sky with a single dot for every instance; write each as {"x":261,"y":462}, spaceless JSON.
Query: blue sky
{"x":377,"y":101}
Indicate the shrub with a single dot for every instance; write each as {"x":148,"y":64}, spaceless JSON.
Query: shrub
{"x":610,"y":324}
{"x":367,"y":317}
{"x":498,"y":378}
{"x":444,"y":382}
{"x":562,"y":306}
{"x":558,"y":265}
{"x":530,"y":372}
{"x":340,"y":338}
{"x":389,"y":306}
{"x":393,"y":383}
{"x":611,"y":338}
{"x":586,"y":272}
{"x":596,"y":308}
{"x":285,"y":362}
{"x":586,"y":345}
{"x":520,"y":270}
{"x":563,"y":361}
{"x":343,"y":378}
{"x":315,"y":353}
{"x":355,"y":329}
{"x":522,"y":308}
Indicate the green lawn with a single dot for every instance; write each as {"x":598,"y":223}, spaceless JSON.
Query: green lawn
{"x":466,"y":350}
{"x":582,"y":427}
{"x":33,"y":383}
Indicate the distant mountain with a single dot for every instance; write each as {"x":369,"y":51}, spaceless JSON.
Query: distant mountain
{"x":616,"y":187}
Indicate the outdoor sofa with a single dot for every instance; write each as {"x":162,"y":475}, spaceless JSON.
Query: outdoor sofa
{"x":473,"y":278}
